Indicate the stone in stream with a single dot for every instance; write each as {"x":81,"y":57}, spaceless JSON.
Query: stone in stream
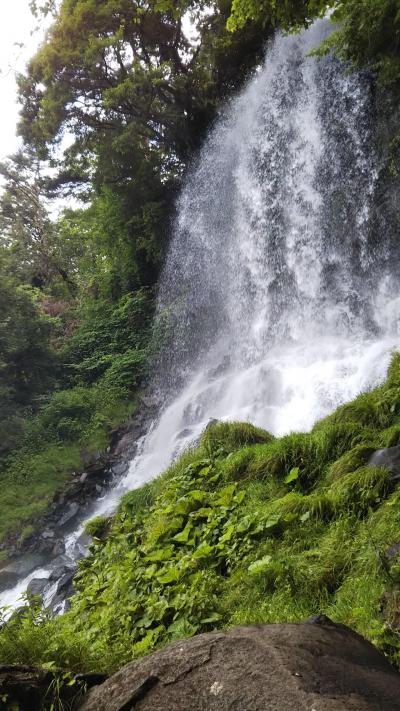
{"x":60,"y":570}
{"x":19,"y":568}
{"x":59,"y":548}
{"x":64,"y":585}
{"x":120,"y":468}
{"x":318,"y":666}
{"x":37,"y":586}
{"x":69,"y":514}
{"x":184,"y":433}
{"x":48,"y":533}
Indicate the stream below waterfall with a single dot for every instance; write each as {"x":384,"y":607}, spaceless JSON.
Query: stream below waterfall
{"x":280,"y":288}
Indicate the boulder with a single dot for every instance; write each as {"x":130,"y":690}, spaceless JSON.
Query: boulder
{"x":183,"y":434}
{"x":37,"y":586}
{"x":388,"y":457}
{"x":70,"y":513}
{"x":120,"y":468}
{"x":309,"y":667}
{"x":64,"y":585}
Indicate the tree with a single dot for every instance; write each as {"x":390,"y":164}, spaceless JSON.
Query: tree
{"x":136,"y":97}
{"x":27,"y":234}
{"x":27,"y":363}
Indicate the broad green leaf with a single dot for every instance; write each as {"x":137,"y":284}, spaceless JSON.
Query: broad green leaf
{"x":225,"y":496}
{"x":228,"y":534}
{"x":160,"y":554}
{"x":169,"y":576}
{"x":271,"y":521}
{"x":204,"y":550}
{"x":214,"y":617}
{"x":259,"y":566}
{"x":292,"y":476}
{"x":183,"y":536}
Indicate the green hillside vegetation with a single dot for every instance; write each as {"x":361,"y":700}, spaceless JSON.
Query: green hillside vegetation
{"x":243,"y":529}
{"x":77,"y":290}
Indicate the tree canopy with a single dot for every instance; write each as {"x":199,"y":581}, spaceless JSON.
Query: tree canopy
{"x":367,"y":32}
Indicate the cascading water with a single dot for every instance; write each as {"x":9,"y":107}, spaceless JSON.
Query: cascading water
{"x":279,"y":286}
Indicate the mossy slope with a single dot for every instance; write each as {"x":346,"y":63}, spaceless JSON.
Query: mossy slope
{"x":243,"y":529}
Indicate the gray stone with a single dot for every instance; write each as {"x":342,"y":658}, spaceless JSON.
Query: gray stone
{"x":8,"y":578}
{"x":120,"y":468}
{"x":48,"y":533}
{"x":220,"y":370}
{"x":393,"y":550}
{"x":71,"y":511}
{"x":389,"y":457}
{"x":58,"y":549}
{"x":150,"y":401}
{"x":184,"y":433}
{"x":59,"y":572}
{"x":313,"y":667}
{"x":37,"y":586}
{"x":64,"y":585}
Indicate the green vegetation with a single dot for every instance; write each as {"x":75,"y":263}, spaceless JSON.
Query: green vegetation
{"x":367,"y":32}
{"x":103,"y":362}
{"x":243,"y":529}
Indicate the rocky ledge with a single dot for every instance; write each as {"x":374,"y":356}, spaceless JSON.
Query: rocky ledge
{"x":315,"y":666}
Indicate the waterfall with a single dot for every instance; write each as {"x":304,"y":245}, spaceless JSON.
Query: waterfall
{"x":279,"y":292}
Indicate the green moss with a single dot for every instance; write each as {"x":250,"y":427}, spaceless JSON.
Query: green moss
{"x":98,"y":527}
{"x":351,"y":460}
{"x":232,"y":435}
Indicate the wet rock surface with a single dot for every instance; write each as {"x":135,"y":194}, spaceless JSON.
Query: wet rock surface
{"x":46,"y":545}
{"x":389,"y":457}
{"x":317,"y":666}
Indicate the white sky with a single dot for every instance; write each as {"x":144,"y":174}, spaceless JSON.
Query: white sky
{"x":16,"y":26}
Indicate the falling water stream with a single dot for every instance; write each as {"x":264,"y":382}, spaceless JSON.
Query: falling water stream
{"x":279,"y":288}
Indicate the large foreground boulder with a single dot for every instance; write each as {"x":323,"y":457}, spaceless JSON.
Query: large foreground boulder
{"x":317,"y":666}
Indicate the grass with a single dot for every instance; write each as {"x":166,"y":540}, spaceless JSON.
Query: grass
{"x":34,"y":475}
{"x":244,"y":528}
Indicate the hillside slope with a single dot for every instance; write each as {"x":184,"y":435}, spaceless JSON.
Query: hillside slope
{"x":244,"y":528}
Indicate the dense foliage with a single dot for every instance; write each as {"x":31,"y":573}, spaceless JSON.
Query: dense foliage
{"x":367,"y":32}
{"x":243,"y":529}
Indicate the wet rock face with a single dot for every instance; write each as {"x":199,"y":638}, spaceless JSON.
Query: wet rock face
{"x":319,"y":666}
{"x":389,"y":457}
